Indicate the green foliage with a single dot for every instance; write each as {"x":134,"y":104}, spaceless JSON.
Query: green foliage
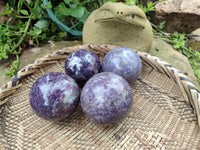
{"x":194,"y":59}
{"x":150,"y":7}
{"x":31,"y":23}
{"x":161,"y":25}
{"x":146,"y":9}
{"x":132,"y":2}
{"x":13,"y":67}
{"x":179,"y":42}
{"x":72,"y":13}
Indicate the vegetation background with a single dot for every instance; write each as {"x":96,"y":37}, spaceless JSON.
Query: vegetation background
{"x":31,"y":23}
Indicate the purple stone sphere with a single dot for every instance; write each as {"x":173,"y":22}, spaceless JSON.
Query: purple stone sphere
{"x":54,"y":96}
{"x":82,"y":65}
{"x":106,"y":98}
{"x":124,"y":62}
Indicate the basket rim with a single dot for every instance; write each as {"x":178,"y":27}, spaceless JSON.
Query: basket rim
{"x":189,"y":91}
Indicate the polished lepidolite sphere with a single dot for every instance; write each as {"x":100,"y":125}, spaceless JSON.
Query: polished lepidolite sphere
{"x":54,"y":96}
{"x":124,"y":62}
{"x":82,"y":65}
{"x":106,"y":98}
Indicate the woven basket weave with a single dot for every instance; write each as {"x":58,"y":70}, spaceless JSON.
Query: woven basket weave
{"x":164,"y":114}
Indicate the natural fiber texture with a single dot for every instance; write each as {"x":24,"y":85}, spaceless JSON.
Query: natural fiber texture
{"x":164,"y":114}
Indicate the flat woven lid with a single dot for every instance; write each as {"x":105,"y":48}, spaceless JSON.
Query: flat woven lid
{"x":164,"y":114}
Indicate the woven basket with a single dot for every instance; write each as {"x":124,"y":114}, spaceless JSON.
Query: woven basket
{"x":164,"y":114}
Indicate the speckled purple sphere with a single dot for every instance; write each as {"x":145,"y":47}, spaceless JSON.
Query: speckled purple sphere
{"x":123,"y":61}
{"x":54,"y":96}
{"x":82,"y":65}
{"x":106,"y":98}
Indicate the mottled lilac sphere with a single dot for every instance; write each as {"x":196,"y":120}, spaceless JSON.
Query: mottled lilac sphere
{"x":82,"y":65}
{"x":54,"y":96}
{"x":106,"y":98}
{"x":124,"y":62}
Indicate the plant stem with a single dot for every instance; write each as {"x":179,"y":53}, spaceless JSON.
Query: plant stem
{"x":17,"y":56}
{"x":21,"y":17}
{"x":22,"y":38}
{"x":162,"y":32}
{"x":25,"y":33}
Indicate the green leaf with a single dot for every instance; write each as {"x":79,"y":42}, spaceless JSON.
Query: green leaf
{"x":84,"y":17}
{"x":19,"y":5}
{"x":42,"y":24}
{"x":13,"y":68}
{"x":185,"y":52}
{"x":78,"y":12}
{"x":72,"y":3}
{"x":68,"y":2}
{"x":36,"y":12}
{"x":130,"y":2}
{"x":48,"y":5}
{"x":24,"y":12}
{"x":150,"y":6}
{"x":63,"y":10}
{"x":6,"y":48}
{"x":7,"y":12}
{"x":5,"y":56}
{"x":61,"y":35}
{"x":29,"y":1}
{"x":35,"y":32}
{"x":162,"y":24}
